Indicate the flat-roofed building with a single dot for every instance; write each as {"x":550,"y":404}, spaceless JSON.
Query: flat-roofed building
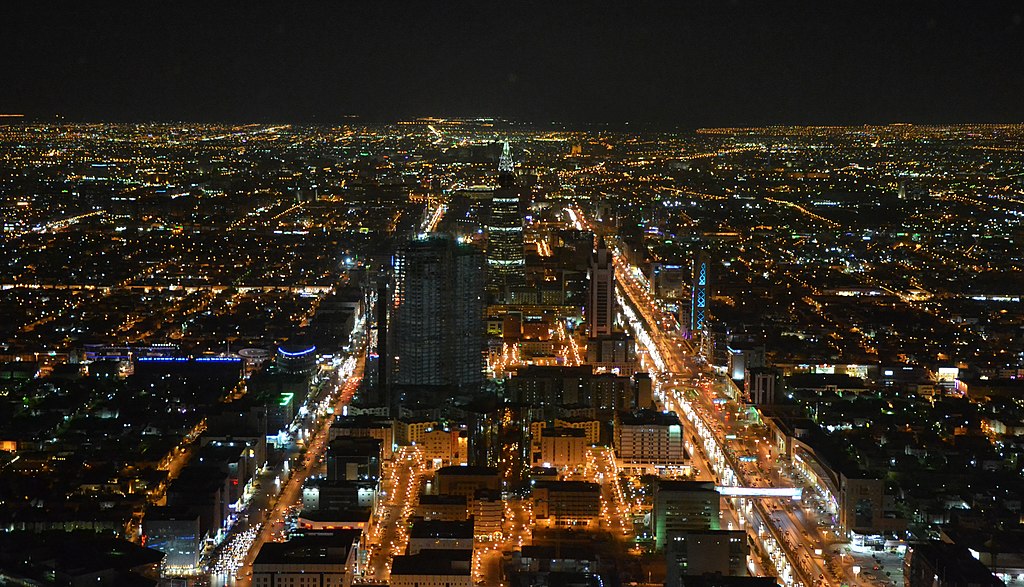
{"x":353,"y":459}
{"x":433,"y":568}
{"x":443,"y":507}
{"x":941,"y":564}
{"x":697,"y":552}
{"x":455,"y":480}
{"x":591,"y":427}
{"x":314,"y":559}
{"x":440,"y":535}
{"x":488,"y":513}
{"x":325,"y":494}
{"x":366,"y":426}
{"x":174,"y":531}
{"x":681,"y":506}
{"x":567,"y":503}
{"x":648,"y":438}
{"x":559,"y":447}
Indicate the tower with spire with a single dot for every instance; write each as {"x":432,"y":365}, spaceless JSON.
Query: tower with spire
{"x":506,"y":166}
{"x":505,"y":260}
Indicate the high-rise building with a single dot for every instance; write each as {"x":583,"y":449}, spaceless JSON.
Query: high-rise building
{"x":505,"y":260}
{"x":381,"y":361}
{"x":465,"y":333}
{"x":699,"y":293}
{"x":601,"y":301}
{"x":418,"y":318}
{"x":437,"y":336}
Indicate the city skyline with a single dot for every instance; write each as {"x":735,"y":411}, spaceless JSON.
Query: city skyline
{"x":512,"y":294}
{"x":782,"y":355}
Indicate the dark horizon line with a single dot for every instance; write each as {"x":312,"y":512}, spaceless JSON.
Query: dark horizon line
{"x":8,"y":119}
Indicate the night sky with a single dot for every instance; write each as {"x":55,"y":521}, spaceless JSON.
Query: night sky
{"x":671,"y":64}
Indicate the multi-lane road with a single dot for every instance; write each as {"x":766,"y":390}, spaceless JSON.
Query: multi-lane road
{"x":281,"y":489}
{"x":733,"y":447}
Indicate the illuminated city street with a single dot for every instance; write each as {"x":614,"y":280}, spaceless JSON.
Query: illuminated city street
{"x":694,"y":296}
{"x":388,"y":532}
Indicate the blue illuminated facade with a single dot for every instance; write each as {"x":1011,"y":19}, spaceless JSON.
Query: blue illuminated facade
{"x":699,"y":294}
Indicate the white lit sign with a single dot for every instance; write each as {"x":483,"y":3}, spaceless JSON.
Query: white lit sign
{"x":794,"y":493}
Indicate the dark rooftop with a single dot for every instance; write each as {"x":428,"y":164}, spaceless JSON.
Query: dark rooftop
{"x":468,"y":471}
{"x":433,"y":562}
{"x":441,"y":529}
{"x":311,"y":548}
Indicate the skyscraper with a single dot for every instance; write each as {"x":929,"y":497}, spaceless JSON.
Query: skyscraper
{"x":505,"y":259}
{"x":465,"y":332}
{"x":418,"y":324}
{"x":601,"y":298}
{"x":699,"y":294}
{"x":378,"y":365}
{"x":437,"y":307}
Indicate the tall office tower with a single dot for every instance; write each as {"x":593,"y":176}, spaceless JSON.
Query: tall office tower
{"x":505,"y":261}
{"x":418,"y":324}
{"x":466,"y":341}
{"x":601,"y":298}
{"x":699,"y":294}
{"x":382,"y":394}
{"x":437,"y":328}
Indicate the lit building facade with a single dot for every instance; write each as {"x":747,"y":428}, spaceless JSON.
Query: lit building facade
{"x":567,"y":503}
{"x":699,"y":295}
{"x":438,"y":308}
{"x":601,"y":298}
{"x":681,"y":506}
{"x":505,"y":259}
{"x":650,"y":438}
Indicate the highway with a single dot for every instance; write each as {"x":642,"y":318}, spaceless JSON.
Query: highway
{"x":708,"y":408}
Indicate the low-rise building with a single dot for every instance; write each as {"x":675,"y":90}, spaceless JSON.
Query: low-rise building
{"x":940,"y":564}
{"x":681,"y":506}
{"x":353,"y":459}
{"x":440,"y":535}
{"x":488,"y":513}
{"x":433,"y":568}
{"x":366,"y":426}
{"x":465,"y":481}
{"x":174,"y":531}
{"x":315,"y":559}
{"x":443,"y":507}
{"x":559,"y":447}
{"x":697,"y":552}
{"x":591,"y":427}
{"x":324,"y":494}
{"x":648,"y":439}
{"x":551,"y":559}
{"x":567,"y":503}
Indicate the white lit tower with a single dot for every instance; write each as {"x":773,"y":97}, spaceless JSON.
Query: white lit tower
{"x":505,"y":260}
